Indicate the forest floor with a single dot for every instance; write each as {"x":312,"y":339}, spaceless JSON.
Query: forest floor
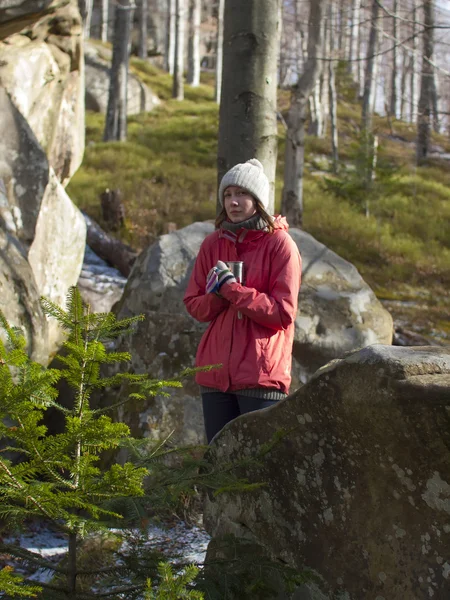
{"x":396,"y":231}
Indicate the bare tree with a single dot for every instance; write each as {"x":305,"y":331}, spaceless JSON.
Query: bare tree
{"x":105,"y":17}
{"x":193,"y":76}
{"x":85,"y":7}
{"x":169,"y":54}
{"x":116,"y":113}
{"x":426,"y":85}
{"x":353,"y":56}
{"x":219,"y":50}
{"x":143,"y":29}
{"x":369,"y":79}
{"x":393,"y":98}
{"x":178,"y":68}
{"x":292,"y":199}
{"x":248,"y":126}
{"x":414,"y":79}
{"x":332,"y":91}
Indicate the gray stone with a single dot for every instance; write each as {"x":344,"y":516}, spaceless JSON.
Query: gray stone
{"x":337,"y":312}
{"x":24,"y":170}
{"x":358,"y":486}
{"x":44,"y":78}
{"x":41,"y":131}
{"x":100,"y":285}
{"x":19,"y":297}
{"x":55,"y":257}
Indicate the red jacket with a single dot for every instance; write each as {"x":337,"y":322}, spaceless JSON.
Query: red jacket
{"x":255,"y":351}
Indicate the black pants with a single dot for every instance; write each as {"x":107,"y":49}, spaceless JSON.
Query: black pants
{"x":219,"y":408}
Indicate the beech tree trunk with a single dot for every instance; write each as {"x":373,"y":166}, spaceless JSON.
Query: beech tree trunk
{"x":354,"y":39}
{"x":414,"y":79}
{"x":435,"y":104}
{"x":178,"y":68}
{"x":143,"y":29}
{"x":292,"y":198}
{"x":116,"y":113}
{"x":193,"y":77}
{"x":369,"y":77}
{"x":105,"y":24}
{"x":219,"y":51}
{"x":332,"y":101}
{"x":426,"y":85}
{"x":169,"y":54}
{"x":248,"y":108}
{"x":85,"y":7}
{"x":393,"y":98}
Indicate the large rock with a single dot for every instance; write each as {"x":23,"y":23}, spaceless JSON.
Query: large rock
{"x":17,"y":14}
{"x":337,"y":312}
{"x":140,"y":98}
{"x":41,"y":145}
{"x":358,"y":489}
{"x":23,"y":169}
{"x":43,"y":73}
{"x":19,"y":297}
{"x":56,"y":260}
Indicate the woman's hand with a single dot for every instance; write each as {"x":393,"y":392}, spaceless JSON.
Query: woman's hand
{"x":218,"y":276}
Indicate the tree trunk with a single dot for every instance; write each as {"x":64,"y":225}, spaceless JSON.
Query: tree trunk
{"x":393,"y":99}
{"x":248,"y":108}
{"x":426,"y":85}
{"x":169,"y":55}
{"x":116,"y":113}
{"x":105,"y":17}
{"x":403,"y":79}
{"x":143,"y":29}
{"x":292,"y":199}
{"x":178,"y":68}
{"x":435,"y":104}
{"x":85,"y":7}
{"x":193,"y":77}
{"x":112,"y":250}
{"x":369,"y":79}
{"x":354,"y":39}
{"x":414,"y":79}
{"x":219,"y":51}
{"x":332,"y":100}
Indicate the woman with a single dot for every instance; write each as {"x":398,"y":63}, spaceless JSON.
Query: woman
{"x":251,"y":326}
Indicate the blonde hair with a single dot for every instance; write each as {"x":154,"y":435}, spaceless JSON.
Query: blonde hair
{"x":222,"y":216}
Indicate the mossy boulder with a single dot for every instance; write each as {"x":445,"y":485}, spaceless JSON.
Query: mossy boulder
{"x":357,"y":489}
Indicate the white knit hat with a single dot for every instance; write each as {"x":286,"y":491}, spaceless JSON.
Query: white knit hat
{"x":250,"y":176}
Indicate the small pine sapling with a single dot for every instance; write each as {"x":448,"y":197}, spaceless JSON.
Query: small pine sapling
{"x":58,"y":477}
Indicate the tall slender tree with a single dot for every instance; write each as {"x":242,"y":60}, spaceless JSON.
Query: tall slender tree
{"x":169,"y":54}
{"x":248,"y":106}
{"x":292,"y":198}
{"x":219,"y":50}
{"x":178,"y":69}
{"x":369,"y":78}
{"x":116,"y":112}
{"x":413,"y":75}
{"x":426,"y":84}
{"x":105,"y":17}
{"x":193,"y":76}
{"x":85,"y":7}
{"x":393,"y":98}
{"x":143,"y":29}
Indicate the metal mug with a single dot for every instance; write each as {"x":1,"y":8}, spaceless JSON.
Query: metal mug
{"x":237,"y":268}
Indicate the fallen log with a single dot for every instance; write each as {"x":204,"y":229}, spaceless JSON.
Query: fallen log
{"x":113,"y":251}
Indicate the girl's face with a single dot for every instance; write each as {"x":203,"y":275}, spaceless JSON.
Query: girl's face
{"x":239,"y":204}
